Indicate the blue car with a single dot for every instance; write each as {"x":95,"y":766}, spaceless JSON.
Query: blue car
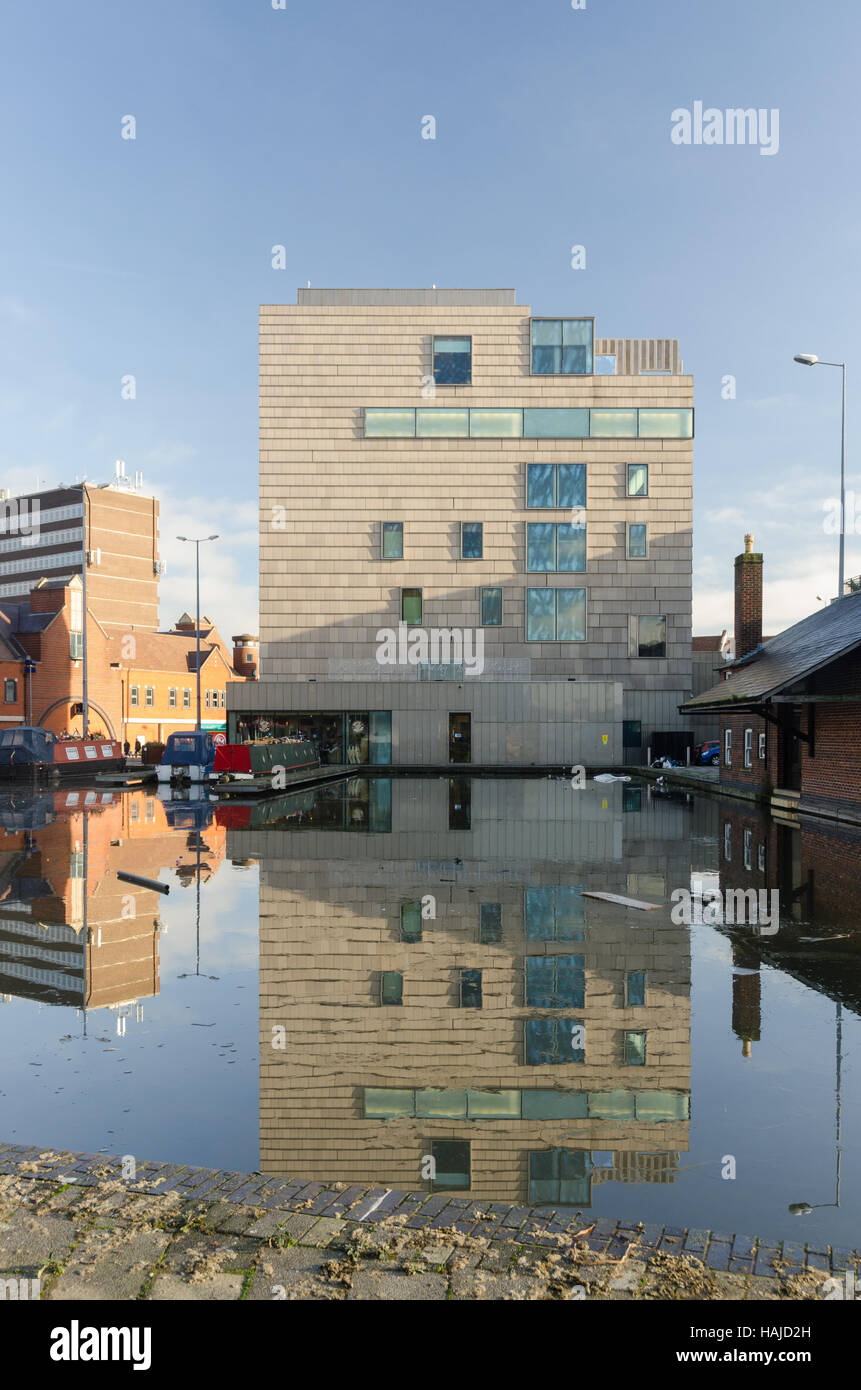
{"x":709,"y":753}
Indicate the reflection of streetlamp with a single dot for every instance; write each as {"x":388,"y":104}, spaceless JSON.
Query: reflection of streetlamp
{"x":809,"y":359}
{"x":805,"y":1208}
{"x":197,"y":544}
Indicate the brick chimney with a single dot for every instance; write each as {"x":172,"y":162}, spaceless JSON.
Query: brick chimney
{"x":748,"y":600}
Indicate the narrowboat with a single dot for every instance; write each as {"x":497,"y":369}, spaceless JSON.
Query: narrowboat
{"x":31,"y":751}
{"x":246,"y":760}
{"x":187,"y":757}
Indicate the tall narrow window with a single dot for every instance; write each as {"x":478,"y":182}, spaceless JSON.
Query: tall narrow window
{"x":727,"y":747}
{"x":149,"y":692}
{"x":393,"y":540}
{"x":452,"y":361}
{"x":651,"y":637}
{"x":638,"y":480}
{"x":470,"y":989}
{"x":134,"y":695}
{"x":748,"y":747}
{"x":186,"y":699}
{"x":635,"y":989}
{"x":391,"y":987}
{"x":411,"y":605}
{"x":411,"y":922}
{"x":490,"y":928}
{"x":637,"y":544}
{"x":491,"y":608}
{"x":635,"y":1049}
{"x":171,"y":697}
{"x":472,"y":540}
{"x":10,"y":692}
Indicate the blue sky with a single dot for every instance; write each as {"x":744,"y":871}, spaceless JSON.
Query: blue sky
{"x":302,"y":127}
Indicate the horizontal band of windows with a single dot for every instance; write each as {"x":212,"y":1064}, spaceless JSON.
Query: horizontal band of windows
{"x":389,"y":1103}
{"x":64,"y":560}
{"x":40,"y":538}
{"x":542,"y":422}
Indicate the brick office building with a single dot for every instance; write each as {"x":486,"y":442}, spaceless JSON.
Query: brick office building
{"x":790,"y":710}
{"x":47,"y":534}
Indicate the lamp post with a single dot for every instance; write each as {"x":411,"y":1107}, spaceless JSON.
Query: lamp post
{"x":809,"y":359}
{"x":197,"y":544}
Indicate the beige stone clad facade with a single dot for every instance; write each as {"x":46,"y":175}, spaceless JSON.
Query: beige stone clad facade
{"x":329,"y":480}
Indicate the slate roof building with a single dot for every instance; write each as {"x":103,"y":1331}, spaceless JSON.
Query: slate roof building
{"x":790,"y":709}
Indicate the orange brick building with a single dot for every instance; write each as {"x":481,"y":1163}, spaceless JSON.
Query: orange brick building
{"x":141,"y":684}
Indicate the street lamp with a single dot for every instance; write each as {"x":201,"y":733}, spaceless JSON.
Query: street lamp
{"x":809,"y":359}
{"x":197,"y":544}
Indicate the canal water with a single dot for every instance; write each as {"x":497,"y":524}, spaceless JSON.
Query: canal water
{"x":404,"y":980}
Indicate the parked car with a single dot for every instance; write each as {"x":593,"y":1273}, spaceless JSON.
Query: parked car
{"x":709,"y":753}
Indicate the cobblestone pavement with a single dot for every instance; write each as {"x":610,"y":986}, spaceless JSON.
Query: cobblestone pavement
{"x":71,"y":1222}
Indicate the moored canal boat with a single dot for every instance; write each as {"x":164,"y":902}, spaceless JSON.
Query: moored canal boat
{"x":33,"y":752}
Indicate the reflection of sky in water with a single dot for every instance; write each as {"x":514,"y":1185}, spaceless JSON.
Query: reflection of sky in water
{"x":177,"y":1078}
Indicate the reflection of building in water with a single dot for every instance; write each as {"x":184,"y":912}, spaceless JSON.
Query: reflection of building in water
{"x":71,"y":932}
{"x":446,"y":991}
{"x":814,"y":867}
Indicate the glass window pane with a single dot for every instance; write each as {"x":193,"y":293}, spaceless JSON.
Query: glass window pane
{"x":491,"y":608}
{"x":470,"y":989}
{"x":540,"y":1042}
{"x":546,"y":361}
{"x":490,"y":931}
{"x":570,"y":913}
{"x":605,"y":364}
{"x":570,"y":547}
{"x":637,"y":541}
{"x":547,"y":332}
{"x":540,"y":485}
{"x":570,"y":989}
{"x":571,"y":615}
{"x":389,"y":424}
{"x":571,"y":484}
{"x":438,"y":423}
{"x":393,"y":540}
{"x":540,"y":615}
{"x":554,"y":1105}
{"x":613,"y":424}
{"x":540,"y":982}
{"x":440,"y":1105}
{"x":635,"y":989}
{"x":381,"y":736}
{"x":556,"y":423}
{"x":452,"y":360}
{"x":411,"y":605}
{"x":392,"y":987}
{"x":539,"y":914}
{"x":635,"y":1049}
{"x":652,"y":634}
{"x":666,"y":424}
{"x":576,"y":361}
{"x":411,"y":921}
{"x":638,"y":480}
{"x":451,"y":1159}
{"x":472,"y":540}
{"x":540,"y":546}
{"x":577,"y":331}
{"x":495,"y":424}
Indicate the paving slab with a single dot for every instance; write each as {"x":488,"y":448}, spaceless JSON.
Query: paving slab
{"x":383,"y":1284}
{"x":28,"y":1239}
{"x":105,"y":1268}
{"x":221,"y":1288}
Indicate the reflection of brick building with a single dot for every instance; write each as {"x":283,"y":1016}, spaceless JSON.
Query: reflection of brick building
{"x":71,"y":932}
{"x":790,"y":709}
{"x":363,"y":1089}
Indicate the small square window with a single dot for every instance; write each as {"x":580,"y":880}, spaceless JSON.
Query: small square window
{"x":490,"y":929}
{"x":451,"y":1165}
{"x":472,"y":540}
{"x":393,"y":540}
{"x":491,"y":608}
{"x":391,"y":987}
{"x":452,"y":361}
{"x":555,"y":982}
{"x":470,"y":989}
{"x":638,"y":480}
{"x":554,"y":1041}
{"x":411,"y":605}
{"x":635,"y":1049}
{"x":637,"y":541}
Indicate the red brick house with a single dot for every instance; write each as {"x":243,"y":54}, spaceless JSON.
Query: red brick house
{"x":790,"y":710}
